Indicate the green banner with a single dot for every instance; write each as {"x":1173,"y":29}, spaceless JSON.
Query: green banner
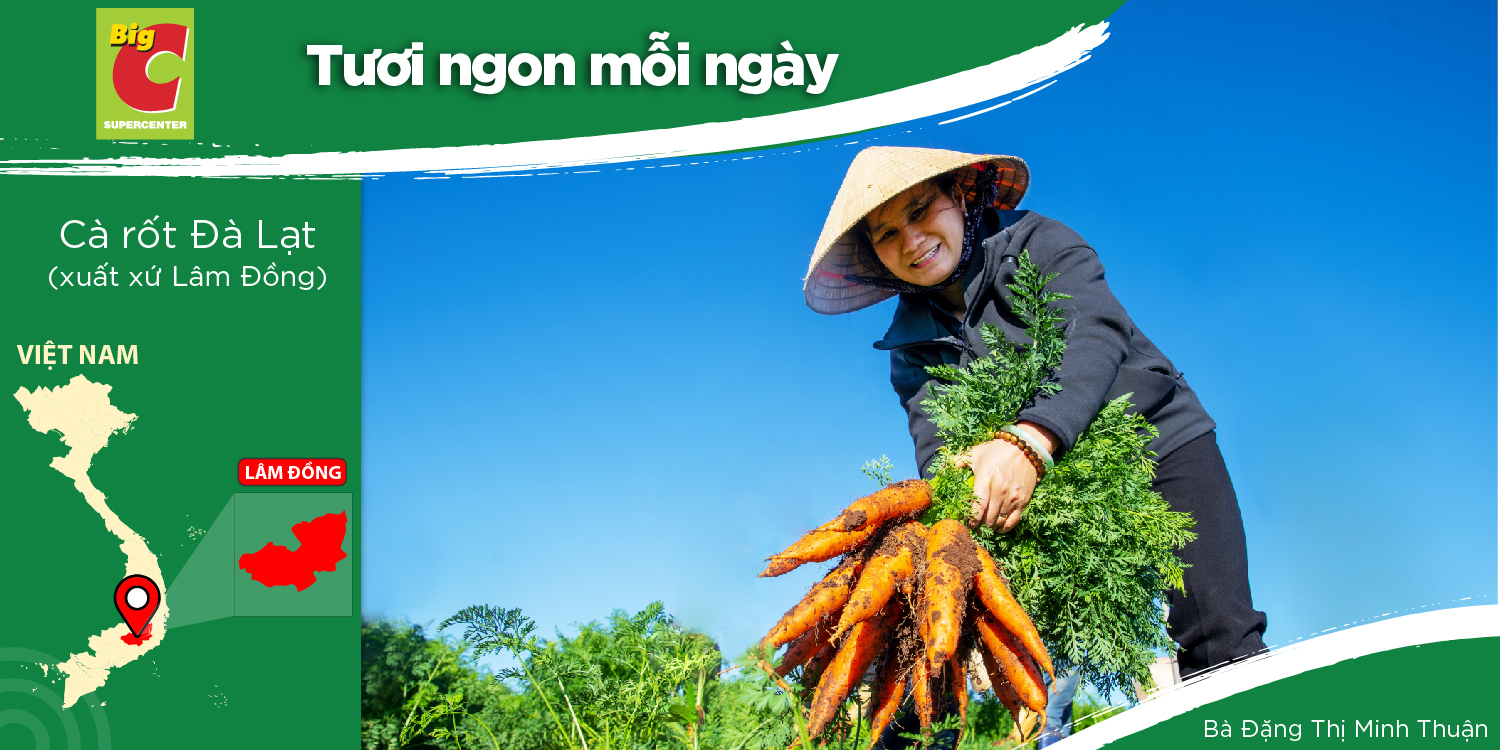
{"x":160,"y":332}
{"x":1435,"y":694}
{"x":252,"y":78}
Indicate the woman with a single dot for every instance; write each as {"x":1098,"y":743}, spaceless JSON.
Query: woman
{"x":939,"y":230}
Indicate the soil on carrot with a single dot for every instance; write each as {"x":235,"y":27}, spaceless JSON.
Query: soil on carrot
{"x":860,"y":600}
{"x":845,"y":579}
{"x":919,"y":573}
{"x":906,"y":645}
{"x":963,"y":556}
{"x":958,"y":558}
{"x":824,"y":625}
{"x":900,"y":535}
{"x":887,"y":543}
{"x":965,"y":651}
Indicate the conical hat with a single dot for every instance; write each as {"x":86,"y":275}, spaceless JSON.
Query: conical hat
{"x":877,"y":175}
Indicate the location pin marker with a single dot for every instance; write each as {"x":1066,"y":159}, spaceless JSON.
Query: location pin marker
{"x":136,"y":597}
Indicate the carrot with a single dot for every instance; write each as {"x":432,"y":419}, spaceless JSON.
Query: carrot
{"x":1004,"y":691}
{"x":921,"y":691}
{"x":996,"y":597}
{"x":816,"y":546}
{"x":924,"y":628}
{"x":1019,"y":670}
{"x":958,"y":682}
{"x":890,"y":688}
{"x":946,"y":589}
{"x":921,"y":671}
{"x":890,"y":567}
{"x":1008,"y":696}
{"x":864,"y":643}
{"x":804,"y":647}
{"x":896,"y":500}
{"x":822,"y":600}
{"x":813,"y":670}
{"x":876,"y":585}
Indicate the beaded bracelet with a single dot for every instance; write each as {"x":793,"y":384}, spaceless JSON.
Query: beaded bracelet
{"x":1042,"y":452}
{"x":1026,"y":450}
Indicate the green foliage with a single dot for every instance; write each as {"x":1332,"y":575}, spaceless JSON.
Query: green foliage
{"x":879,"y":470}
{"x":989,"y":724}
{"x":1088,"y":712}
{"x":976,"y":401}
{"x":1093,"y":555}
{"x":636,"y":681}
{"x":422,"y":692}
{"x":750,"y":712}
{"x":429,"y":693}
{"x":932,"y":735}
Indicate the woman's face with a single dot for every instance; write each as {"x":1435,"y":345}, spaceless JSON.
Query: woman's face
{"x":918,"y":235}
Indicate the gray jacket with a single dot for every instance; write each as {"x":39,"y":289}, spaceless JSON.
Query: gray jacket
{"x":1107,"y":356}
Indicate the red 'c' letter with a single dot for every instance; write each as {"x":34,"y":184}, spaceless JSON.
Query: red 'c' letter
{"x":131,"y":84}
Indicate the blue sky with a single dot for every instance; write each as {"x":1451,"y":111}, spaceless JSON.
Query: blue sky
{"x":591,"y":391}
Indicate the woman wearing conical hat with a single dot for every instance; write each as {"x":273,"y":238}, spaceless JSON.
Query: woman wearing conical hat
{"x":940,"y":231}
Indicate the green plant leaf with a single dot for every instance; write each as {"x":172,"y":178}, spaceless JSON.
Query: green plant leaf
{"x":1093,"y":556}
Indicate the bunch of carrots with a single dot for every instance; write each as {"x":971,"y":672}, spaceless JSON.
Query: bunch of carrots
{"x":919,"y":600}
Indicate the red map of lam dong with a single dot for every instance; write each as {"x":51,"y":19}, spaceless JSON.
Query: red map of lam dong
{"x":320,"y":550}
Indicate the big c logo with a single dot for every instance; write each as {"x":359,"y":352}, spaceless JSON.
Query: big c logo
{"x":138,"y":47}
{"x":144,"y":73}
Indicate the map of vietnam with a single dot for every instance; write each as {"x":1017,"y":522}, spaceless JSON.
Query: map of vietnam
{"x":82,"y":413}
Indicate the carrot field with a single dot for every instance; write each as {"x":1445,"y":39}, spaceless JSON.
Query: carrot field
{"x":626,"y":681}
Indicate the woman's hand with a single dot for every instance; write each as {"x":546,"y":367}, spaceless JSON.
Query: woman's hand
{"x":1004,"y":478}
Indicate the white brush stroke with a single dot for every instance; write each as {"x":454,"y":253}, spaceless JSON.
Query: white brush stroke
{"x":1398,"y":632}
{"x":915,"y":102}
{"x":997,"y":106}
